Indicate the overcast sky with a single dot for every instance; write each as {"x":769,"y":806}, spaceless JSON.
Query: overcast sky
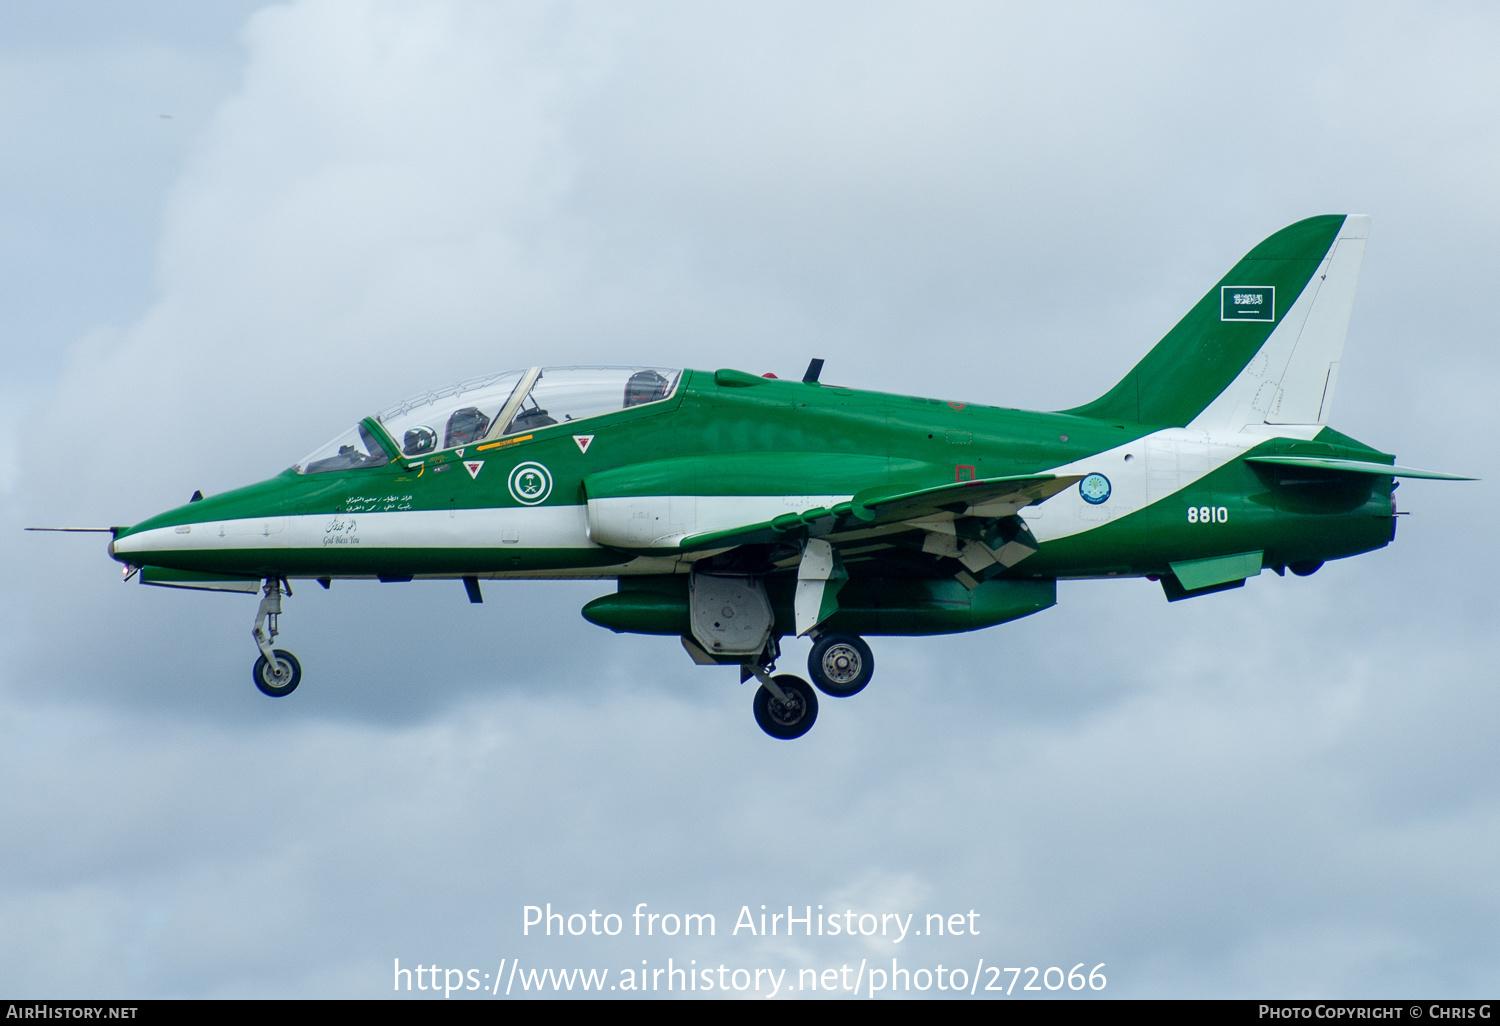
{"x":228,"y":232}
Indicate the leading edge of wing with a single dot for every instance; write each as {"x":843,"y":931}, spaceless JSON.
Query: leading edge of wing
{"x":983,"y":497}
{"x":990,"y":496}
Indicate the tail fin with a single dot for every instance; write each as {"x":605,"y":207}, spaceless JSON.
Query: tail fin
{"x":1262,"y":347}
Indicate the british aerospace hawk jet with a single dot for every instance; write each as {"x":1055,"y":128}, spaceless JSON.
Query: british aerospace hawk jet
{"x":733,"y":509}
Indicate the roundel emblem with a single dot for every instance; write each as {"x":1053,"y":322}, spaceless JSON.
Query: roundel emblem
{"x":1094,"y":489}
{"x":530,"y":483}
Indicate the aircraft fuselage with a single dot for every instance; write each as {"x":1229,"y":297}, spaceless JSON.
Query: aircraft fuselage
{"x":728,"y":449}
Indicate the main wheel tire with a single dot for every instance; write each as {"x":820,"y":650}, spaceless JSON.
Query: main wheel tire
{"x":272,"y":684}
{"x":789,"y":719}
{"x":840,"y":664}
{"x":1307,"y":568}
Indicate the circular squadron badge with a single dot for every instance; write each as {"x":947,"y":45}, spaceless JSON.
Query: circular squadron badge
{"x":1094,"y":489}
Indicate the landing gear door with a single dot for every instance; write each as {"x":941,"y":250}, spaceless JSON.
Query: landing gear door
{"x":730,"y":615}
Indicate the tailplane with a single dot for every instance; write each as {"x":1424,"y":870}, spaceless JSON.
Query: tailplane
{"x":1263,"y":346}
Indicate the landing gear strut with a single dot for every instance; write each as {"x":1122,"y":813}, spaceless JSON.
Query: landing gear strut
{"x":785,"y":706}
{"x":277,"y":672}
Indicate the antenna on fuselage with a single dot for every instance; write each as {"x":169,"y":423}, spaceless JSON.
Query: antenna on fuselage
{"x":814,"y":368}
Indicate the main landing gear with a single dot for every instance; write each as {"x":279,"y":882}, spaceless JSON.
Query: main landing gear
{"x":840,"y":664}
{"x":786,"y":706}
{"x":277,"y":672}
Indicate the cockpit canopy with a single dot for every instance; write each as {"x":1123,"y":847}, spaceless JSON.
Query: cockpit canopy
{"x":482,"y":409}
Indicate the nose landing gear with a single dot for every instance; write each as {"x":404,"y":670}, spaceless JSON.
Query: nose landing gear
{"x":277,"y":672}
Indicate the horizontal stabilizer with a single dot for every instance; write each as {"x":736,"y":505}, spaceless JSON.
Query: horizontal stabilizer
{"x":1355,"y":467}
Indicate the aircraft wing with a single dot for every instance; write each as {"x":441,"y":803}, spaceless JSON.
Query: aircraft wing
{"x":973,"y":522}
{"x":985,"y":497}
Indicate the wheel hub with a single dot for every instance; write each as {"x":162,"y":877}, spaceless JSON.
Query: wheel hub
{"x":789,"y":712}
{"x":841,"y":664}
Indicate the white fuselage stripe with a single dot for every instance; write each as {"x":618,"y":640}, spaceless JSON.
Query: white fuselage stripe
{"x":1145,"y":471}
{"x":529,"y":527}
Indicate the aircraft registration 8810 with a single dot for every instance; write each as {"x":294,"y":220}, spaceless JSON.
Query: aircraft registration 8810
{"x":734,"y":510}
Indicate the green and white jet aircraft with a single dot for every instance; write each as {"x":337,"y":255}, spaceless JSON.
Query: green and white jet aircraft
{"x":733,"y":509}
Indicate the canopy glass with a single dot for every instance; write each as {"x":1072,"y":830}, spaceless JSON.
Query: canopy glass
{"x":512,"y":403}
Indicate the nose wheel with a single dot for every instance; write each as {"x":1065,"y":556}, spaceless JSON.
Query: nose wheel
{"x":280,"y":678}
{"x":277,"y":672}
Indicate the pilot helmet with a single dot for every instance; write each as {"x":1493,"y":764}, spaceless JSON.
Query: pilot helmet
{"x":418,"y":440}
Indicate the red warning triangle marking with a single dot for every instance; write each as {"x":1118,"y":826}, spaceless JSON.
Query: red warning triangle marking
{"x":473,"y":467}
{"x":584,"y":441}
